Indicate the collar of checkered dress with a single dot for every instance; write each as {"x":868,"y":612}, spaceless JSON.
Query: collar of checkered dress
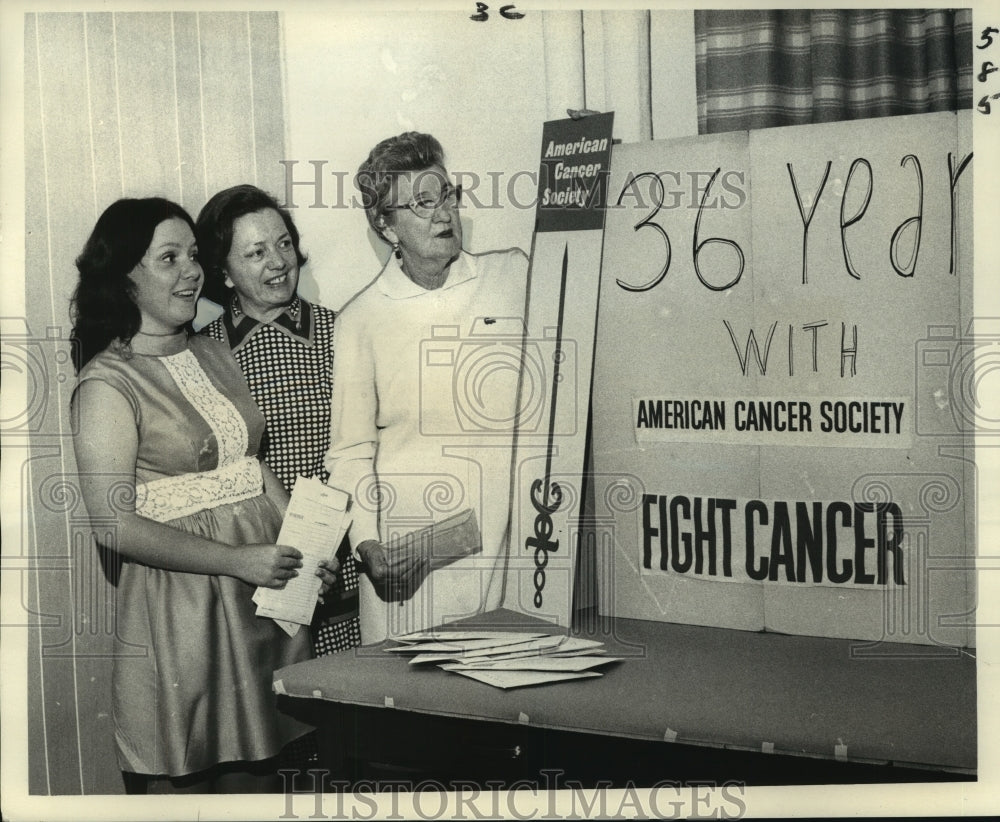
{"x":296,"y":322}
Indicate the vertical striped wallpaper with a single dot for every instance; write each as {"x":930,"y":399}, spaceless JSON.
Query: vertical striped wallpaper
{"x":116,"y":104}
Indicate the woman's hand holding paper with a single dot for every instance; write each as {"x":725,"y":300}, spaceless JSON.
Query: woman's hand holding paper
{"x":327,"y":571}
{"x":398,"y":574}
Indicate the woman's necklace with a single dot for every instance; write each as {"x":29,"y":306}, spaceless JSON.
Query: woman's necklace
{"x":168,"y":334}
{"x":159,"y":345}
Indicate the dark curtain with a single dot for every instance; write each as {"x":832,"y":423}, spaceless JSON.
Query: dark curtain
{"x":758,"y":69}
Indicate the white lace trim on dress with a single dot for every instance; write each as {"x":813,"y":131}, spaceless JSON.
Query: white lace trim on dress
{"x":225,"y":421}
{"x":172,"y":497}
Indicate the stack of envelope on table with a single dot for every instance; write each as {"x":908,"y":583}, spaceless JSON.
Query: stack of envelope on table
{"x":506,"y":659}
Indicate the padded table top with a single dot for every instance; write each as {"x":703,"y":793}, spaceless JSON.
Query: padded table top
{"x":812,"y":696}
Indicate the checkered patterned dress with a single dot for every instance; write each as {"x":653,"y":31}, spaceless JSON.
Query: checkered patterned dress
{"x":288,"y":364}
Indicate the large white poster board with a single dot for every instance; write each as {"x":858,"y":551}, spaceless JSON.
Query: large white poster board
{"x":783,"y":375}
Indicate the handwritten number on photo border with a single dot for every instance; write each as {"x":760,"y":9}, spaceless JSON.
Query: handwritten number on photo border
{"x":984,"y":102}
{"x":987,"y":36}
{"x":508,"y":12}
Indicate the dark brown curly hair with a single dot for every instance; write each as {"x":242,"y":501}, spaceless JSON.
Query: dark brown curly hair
{"x":103,"y":307}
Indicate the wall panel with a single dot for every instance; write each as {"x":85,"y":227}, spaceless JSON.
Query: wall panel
{"x":116,"y":104}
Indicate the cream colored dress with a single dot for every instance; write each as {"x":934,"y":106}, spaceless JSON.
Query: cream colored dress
{"x":193,"y":666}
{"x":424,"y":388}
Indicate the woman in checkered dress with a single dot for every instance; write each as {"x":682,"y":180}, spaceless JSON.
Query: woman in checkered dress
{"x":249,"y":248}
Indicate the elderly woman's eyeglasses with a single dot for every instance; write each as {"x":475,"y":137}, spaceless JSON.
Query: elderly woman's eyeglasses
{"x":424,"y":205}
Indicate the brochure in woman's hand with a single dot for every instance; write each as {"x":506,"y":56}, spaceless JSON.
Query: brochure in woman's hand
{"x":314,"y":523}
{"x":440,"y":544}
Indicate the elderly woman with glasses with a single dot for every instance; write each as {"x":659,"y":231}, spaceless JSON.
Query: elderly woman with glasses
{"x":424,"y":394}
